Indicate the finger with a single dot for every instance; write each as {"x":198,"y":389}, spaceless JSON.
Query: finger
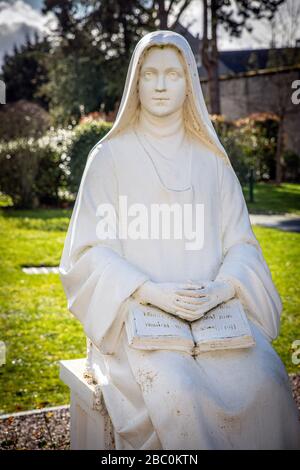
{"x":187,"y":286}
{"x":202,"y":310}
{"x":205,"y":291}
{"x":192,"y":300}
{"x":183,"y":308}
{"x":190,"y":293}
{"x":195,"y":282}
{"x":186,"y":306}
{"x":184,"y":316}
{"x":195,"y":285}
{"x":189,"y":283}
{"x":197,"y":316}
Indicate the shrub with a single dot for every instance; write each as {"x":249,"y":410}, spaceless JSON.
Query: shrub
{"x":85,"y":136}
{"x":34,"y":170}
{"x":23,"y":119}
{"x":53,"y":173}
{"x":19,"y":160}
{"x":256,"y":136}
{"x":251,"y":144}
{"x":44,"y":170}
{"x":227,"y":133}
{"x":291,"y":166}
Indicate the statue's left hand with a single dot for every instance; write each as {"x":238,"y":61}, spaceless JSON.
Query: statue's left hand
{"x":213,"y":293}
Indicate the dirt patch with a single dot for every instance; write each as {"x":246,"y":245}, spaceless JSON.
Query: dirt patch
{"x":145,"y":379}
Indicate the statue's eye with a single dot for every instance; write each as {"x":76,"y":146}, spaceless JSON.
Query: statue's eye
{"x":148,"y":74}
{"x":173,"y":75}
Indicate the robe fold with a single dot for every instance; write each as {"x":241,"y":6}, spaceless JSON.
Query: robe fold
{"x":239,"y":399}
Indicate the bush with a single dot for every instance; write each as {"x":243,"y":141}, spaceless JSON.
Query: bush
{"x":34,"y":170}
{"x":19,"y":162}
{"x":52,"y":184}
{"x":251,"y":144}
{"x":47,"y":169}
{"x":291,"y":168}
{"x":227,"y":132}
{"x":23,"y":119}
{"x":256,"y":136}
{"x":85,"y":136}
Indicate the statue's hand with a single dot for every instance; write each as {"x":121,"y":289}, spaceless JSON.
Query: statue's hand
{"x":178,"y":298}
{"x":213,"y":294}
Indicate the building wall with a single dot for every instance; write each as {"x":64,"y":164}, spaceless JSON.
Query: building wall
{"x":265,"y":92}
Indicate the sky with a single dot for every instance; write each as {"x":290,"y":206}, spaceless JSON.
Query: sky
{"x":21,"y":17}
{"x":18,"y":18}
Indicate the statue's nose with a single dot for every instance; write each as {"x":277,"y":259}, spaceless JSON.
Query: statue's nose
{"x":160,"y":84}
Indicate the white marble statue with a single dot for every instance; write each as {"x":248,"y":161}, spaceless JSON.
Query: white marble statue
{"x":162,"y":149}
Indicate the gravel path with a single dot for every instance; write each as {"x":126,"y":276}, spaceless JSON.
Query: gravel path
{"x":286,"y":222}
{"x":50,"y":429}
{"x":39,"y":431}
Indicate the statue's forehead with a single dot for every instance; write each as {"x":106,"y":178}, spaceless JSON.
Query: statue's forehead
{"x":152,"y":54}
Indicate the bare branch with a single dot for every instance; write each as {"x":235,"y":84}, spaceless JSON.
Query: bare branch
{"x":183,"y":7}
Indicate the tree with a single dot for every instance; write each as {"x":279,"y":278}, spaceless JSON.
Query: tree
{"x":168,"y":13}
{"x":281,"y":104}
{"x":76,"y":83}
{"x":210,"y":53}
{"x":234,"y":16}
{"x":285,"y":25}
{"x":94,"y":42}
{"x":103,"y":33}
{"x":24,"y":72}
{"x":23,"y":119}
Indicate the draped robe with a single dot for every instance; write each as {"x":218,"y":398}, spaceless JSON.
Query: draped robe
{"x":239,"y":399}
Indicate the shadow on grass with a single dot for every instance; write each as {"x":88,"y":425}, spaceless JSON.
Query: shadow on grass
{"x":45,"y":214}
{"x":273,"y":199}
{"x":48,"y":220}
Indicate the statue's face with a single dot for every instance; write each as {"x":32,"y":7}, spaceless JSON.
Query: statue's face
{"x":162,"y":81}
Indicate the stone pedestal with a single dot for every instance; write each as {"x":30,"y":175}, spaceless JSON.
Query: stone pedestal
{"x":91,"y":427}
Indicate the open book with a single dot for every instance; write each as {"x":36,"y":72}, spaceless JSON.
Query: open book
{"x":224,"y":327}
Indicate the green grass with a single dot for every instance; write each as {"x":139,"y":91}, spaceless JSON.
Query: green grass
{"x":37,"y":328}
{"x":281,"y":251}
{"x":272,"y":199}
{"x":39,"y":331}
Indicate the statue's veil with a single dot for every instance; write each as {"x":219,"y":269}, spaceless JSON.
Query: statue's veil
{"x":196,"y":116}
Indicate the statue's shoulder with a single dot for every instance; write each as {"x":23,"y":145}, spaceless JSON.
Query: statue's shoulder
{"x":205,"y":154}
{"x":109,"y":153}
{"x":100,"y":151}
{"x":100,"y":160}
{"x":119,"y":146}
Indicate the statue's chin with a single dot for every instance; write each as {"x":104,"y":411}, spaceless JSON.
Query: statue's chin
{"x":163,"y":112}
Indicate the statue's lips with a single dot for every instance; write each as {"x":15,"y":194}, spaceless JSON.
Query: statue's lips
{"x":161,"y":99}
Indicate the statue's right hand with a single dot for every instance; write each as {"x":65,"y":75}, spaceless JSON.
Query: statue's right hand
{"x":167,"y":295}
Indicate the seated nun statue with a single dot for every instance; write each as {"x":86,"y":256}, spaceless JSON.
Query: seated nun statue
{"x":163,"y":149}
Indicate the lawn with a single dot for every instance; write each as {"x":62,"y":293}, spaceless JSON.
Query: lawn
{"x":39,"y":331}
{"x":272,"y":199}
{"x":35,"y":324}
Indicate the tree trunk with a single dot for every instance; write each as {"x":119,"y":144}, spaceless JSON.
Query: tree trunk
{"x":162,"y":14}
{"x":210,"y":56}
{"x":279,"y":151}
{"x":215,"y":86}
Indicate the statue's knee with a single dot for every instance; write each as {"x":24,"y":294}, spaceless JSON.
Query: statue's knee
{"x":185,"y":387}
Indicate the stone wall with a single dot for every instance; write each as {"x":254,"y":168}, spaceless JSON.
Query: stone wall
{"x":266,"y":91}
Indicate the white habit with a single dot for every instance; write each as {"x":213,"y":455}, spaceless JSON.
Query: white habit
{"x":239,"y":399}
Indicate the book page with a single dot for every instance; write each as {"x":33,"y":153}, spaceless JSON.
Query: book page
{"x":227,"y":320}
{"x":152,"y":322}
